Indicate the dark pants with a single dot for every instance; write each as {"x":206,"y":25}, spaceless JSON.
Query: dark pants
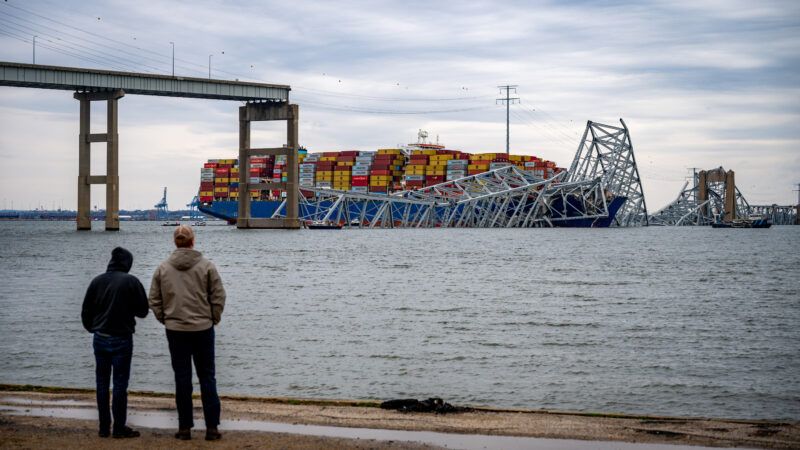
{"x":185,"y":346}
{"x":112,"y":354}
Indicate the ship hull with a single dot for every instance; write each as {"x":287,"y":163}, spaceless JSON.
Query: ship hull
{"x":228,"y":210}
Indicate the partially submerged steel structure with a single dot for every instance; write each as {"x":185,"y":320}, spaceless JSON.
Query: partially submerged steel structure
{"x":605,"y":177}
{"x":262,"y":102}
{"x":714,"y":195}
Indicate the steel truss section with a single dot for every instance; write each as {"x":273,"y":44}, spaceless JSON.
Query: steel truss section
{"x":688,"y":210}
{"x":780,"y":215}
{"x":506,"y":197}
{"x":606,"y":152}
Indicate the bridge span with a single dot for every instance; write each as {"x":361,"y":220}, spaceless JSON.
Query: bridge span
{"x":262,"y":102}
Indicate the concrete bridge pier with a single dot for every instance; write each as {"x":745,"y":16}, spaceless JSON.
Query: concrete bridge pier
{"x":85,"y":140}
{"x":264,"y":111}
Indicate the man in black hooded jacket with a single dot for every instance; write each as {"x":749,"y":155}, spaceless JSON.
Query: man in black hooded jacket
{"x":109,"y":307}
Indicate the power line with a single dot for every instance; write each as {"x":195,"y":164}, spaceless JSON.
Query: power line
{"x":347,"y":108}
{"x":80,"y":48}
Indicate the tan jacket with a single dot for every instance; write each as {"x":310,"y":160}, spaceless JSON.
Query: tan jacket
{"x":186,"y":293}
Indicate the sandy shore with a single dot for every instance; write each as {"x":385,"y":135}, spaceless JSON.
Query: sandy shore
{"x":36,"y":432}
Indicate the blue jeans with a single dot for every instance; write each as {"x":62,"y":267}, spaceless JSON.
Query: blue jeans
{"x":185,"y":346}
{"x":112,"y":353}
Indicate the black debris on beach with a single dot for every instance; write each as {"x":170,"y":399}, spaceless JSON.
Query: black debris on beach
{"x":435,"y":405}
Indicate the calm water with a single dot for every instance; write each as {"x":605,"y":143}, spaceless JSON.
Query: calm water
{"x":682,"y":321}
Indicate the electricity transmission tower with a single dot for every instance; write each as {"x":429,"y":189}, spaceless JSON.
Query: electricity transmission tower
{"x":508,"y":101}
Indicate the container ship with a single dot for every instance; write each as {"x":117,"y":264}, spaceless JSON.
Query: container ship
{"x":385,"y":171}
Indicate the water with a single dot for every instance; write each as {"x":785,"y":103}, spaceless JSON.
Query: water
{"x":678,"y":321}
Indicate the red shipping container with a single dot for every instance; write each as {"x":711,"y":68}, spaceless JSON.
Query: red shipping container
{"x":379,"y":189}
{"x":381,"y":167}
{"x":206,"y":199}
{"x":342,"y":169}
{"x":360,"y":178}
{"x":346,"y":158}
{"x":206,"y":186}
{"x":359,"y":183}
{"x":423,"y":157}
{"x":209,"y":165}
{"x":418,"y":162}
{"x":353,"y":153}
{"x":329,"y":154}
{"x":221,"y":194}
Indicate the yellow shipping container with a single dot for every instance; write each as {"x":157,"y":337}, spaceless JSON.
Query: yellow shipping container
{"x":389,"y":151}
{"x":397,"y":173}
{"x":441,"y":157}
{"x":328,"y":158}
{"x":515,"y":158}
{"x":379,"y":183}
{"x":478,"y":167}
{"x":221,"y":180}
{"x":234,"y":195}
{"x":220,"y":189}
{"x":206,"y":193}
{"x":381,"y":177}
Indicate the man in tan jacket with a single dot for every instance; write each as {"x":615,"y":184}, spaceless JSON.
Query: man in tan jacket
{"x":187,"y":296}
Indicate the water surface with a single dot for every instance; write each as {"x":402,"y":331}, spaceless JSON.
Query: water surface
{"x":679,"y":321}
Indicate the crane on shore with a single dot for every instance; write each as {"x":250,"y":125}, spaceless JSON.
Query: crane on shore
{"x":161,"y":207}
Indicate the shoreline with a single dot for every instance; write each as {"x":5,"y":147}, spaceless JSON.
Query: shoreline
{"x":353,"y":414}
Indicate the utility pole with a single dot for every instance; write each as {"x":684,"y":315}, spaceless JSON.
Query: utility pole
{"x":173,"y":58}
{"x":508,"y":101}
{"x":209,"y":66}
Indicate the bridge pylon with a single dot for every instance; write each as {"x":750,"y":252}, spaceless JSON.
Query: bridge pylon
{"x":263,"y":111}
{"x":85,"y":140}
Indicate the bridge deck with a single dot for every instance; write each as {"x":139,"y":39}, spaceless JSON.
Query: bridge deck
{"x":78,"y":79}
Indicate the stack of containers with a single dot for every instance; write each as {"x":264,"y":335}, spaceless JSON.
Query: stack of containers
{"x":221,"y":180}
{"x":437,"y":167}
{"x":207,"y":182}
{"x":361,"y":172}
{"x":390,"y":161}
{"x":415,"y":169}
{"x":457,"y":168}
{"x":234,"y":181}
{"x":380,"y":180}
{"x":324,"y":174}
{"x":479,"y":163}
{"x":279,"y":175}
{"x":342,"y":171}
{"x":308,"y":170}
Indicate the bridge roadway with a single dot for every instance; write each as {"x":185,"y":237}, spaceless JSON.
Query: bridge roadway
{"x":262,"y":102}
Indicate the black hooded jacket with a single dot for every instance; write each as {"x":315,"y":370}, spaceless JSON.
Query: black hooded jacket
{"x":114,"y":298}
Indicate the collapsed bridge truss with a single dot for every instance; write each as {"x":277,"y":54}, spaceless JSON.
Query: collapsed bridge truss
{"x":601,"y":178}
{"x":714,"y":194}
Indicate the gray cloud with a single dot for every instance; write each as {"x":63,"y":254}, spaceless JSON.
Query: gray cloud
{"x":700,"y":83}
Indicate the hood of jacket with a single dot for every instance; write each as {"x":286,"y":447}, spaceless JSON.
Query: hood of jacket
{"x":184,"y":258}
{"x":121,"y":260}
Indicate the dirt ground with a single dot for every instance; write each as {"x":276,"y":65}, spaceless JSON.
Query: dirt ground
{"x":33,"y":432}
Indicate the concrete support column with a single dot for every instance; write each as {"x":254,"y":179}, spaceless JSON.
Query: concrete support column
{"x":85,"y":177}
{"x":292,"y":167}
{"x":253,"y":112}
{"x":112,"y":168}
{"x":244,"y":169}
{"x":730,"y":196}
{"x":84,"y":168}
{"x":702,"y":192}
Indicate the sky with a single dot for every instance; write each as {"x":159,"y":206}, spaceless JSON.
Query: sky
{"x":700,"y":84}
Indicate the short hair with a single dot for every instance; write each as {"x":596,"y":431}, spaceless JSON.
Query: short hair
{"x":184,"y":236}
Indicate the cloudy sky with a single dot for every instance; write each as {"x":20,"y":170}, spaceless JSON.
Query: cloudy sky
{"x":699,"y":84}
